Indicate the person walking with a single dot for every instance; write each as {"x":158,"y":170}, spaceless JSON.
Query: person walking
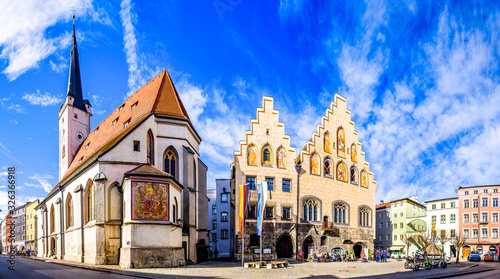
{"x":385,"y":255}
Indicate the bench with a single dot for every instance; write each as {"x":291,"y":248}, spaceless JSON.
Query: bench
{"x":272,"y":265}
{"x":255,"y":264}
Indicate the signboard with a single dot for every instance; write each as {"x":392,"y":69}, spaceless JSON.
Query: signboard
{"x":266,"y":251}
{"x":26,"y":243}
{"x":256,"y":251}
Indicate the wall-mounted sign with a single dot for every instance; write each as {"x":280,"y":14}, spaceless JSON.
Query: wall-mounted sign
{"x":266,"y":251}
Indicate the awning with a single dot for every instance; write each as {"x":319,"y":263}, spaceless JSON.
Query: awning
{"x":396,"y":248}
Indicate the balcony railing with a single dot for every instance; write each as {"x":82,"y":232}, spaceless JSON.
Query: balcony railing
{"x":328,"y":226}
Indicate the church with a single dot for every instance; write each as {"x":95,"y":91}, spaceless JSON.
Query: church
{"x":320,"y":199}
{"x":133,"y":187}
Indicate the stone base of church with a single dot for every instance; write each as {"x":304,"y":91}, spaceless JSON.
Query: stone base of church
{"x":137,"y":257}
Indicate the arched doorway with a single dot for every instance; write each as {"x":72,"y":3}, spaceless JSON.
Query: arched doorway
{"x":52,"y":246}
{"x":337,"y":250}
{"x":284,"y":247}
{"x":357,"y":248}
{"x":308,"y":247}
{"x":465,"y":251}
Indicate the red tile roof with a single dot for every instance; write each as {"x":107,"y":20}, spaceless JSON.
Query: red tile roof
{"x":158,"y":96}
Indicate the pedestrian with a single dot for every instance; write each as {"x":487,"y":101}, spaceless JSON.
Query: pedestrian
{"x":216,"y":253}
{"x":385,"y":256}
{"x":29,"y":251}
{"x":377,"y":255}
{"x":399,"y":255}
{"x":211,"y":254}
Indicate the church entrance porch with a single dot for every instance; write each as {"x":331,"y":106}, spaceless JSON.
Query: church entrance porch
{"x":308,"y":247}
{"x":284,"y":247}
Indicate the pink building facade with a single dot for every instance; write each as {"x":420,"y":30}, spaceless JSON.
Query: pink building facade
{"x":479,"y":218}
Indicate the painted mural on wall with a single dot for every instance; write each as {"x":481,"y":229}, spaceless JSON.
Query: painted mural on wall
{"x":315,"y":164}
{"x":353,"y":153}
{"x":364,"y":179}
{"x":149,"y":201}
{"x":342,"y":172}
{"x":281,"y":157}
{"x":341,"y":142}
{"x":328,"y":142}
{"x":252,"y":155}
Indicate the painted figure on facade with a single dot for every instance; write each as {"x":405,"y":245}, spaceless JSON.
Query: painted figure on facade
{"x":341,"y":143}
{"x":353,"y":152}
{"x":281,"y":157}
{"x":150,"y":201}
{"x":342,"y":172}
{"x":364,"y":179}
{"x":328,"y":142}
{"x":314,"y":164}
{"x":252,"y":155}
{"x":354,"y":179}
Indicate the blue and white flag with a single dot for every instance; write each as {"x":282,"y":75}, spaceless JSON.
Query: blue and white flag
{"x":262,"y":189}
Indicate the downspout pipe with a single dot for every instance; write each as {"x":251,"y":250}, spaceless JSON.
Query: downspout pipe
{"x":63,"y":249}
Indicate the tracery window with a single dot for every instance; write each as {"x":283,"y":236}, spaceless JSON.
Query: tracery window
{"x":170,"y":158}
{"x":364,"y":217}
{"x":340,"y":215}
{"x":90,"y":202}
{"x":69,"y":211}
{"x":311,"y":210}
{"x":328,"y":167}
{"x":150,"y":148}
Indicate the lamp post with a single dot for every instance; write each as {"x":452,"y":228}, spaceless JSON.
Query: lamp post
{"x":298,"y":168}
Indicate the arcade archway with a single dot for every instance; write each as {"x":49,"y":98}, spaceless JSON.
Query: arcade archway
{"x":308,"y":247}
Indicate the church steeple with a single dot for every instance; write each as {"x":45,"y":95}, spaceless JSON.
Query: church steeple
{"x":75,"y":81}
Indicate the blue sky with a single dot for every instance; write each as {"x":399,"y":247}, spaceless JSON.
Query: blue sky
{"x":421,"y":79}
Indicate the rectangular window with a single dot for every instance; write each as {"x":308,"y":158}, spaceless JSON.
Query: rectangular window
{"x":137,"y":146}
{"x":395,"y":215}
{"x":223,"y":216}
{"x":466,"y":233}
{"x":485,"y":191}
{"x":495,"y":190}
{"x":401,"y":237}
{"x":400,"y":225}
{"x":484,"y":217}
{"x":452,"y":205}
{"x":214,"y":224}
{"x":269,"y":212}
{"x":443,"y":233}
{"x":433,"y":219}
{"x":466,"y":192}
{"x":475,"y":233}
{"x":485,"y":202}
{"x":395,"y":226}
{"x":223,"y":197}
{"x":395,"y":237}
{"x":475,"y":203}
{"x":494,"y":217}
{"x":433,"y":206}
{"x":466,"y":219}
{"x":388,"y":237}
{"x":270,"y":183}
{"x":494,"y":233}
{"x":380,"y":225}
{"x":452,"y":233}
{"x":251,"y":211}
{"x":443,"y":205}
{"x":466,"y":204}
{"x":475,"y":192}
{"x":452,"y":218}
{"x":484,"y":233}
{"x":251,"y":182}
{"x":380,"y":237}
{"x":223,"y":234}
{"x":388,"y":225}
{"x":286,"y":213}
{"x":475,"y":218}
{"x":495,"y":202}
{"x":214,"y":237}
{"x":443,"y":219}
{"x":286,"y":185}
{"x":401,"y":214}
{"x":214,"y":209}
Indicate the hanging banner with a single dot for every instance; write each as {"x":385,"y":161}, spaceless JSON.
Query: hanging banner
{"x":262,"y":188}
{"x":243,"y":190}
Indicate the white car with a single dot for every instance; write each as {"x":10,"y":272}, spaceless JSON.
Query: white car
{"x":395,"y":255}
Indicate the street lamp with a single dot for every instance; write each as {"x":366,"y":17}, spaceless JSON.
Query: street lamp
{"x":298,"y":168}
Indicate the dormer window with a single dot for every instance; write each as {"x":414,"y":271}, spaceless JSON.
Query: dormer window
{"x":121,"y":107}
{"x":96,"y":129}
{"x":87,"y":146}
{"x":81,"y":159}
{"x":126,"y":123}
{"x":114,"y":122}
{"x":133,"y":106}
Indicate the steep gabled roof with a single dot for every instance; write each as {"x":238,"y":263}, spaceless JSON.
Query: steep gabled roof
{"x":158,"y":96}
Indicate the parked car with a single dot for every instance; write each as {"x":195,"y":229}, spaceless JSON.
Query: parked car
{"x":489,"y":257}
{"x":474,"y":256}
{"x":395,"y":255}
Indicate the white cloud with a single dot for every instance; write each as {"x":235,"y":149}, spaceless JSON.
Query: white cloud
{"x":13,"y":121}
{"x":192,"y":97}
{"x":15,"y":107}
{"x":288,"y":8}
{"x":42,"y":182}
{"x":40,"y":99}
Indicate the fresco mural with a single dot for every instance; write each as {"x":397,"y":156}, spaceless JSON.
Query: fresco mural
{"x":341,"y":142}
{"x":364,"y":179}
{"x":252,"y":155}
{"x":353,"y":153}
{"x":281,"y":157}
{"x":315,"y":164}
{"x":149,"y":201}
{"x":328,"y":142}
{"x":342,"y":172}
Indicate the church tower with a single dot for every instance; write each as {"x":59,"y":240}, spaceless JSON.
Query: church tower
{"x":74,"y":114}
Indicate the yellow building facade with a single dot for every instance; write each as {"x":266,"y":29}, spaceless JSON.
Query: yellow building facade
{"x":31,"y":225}
{"x":333,"y":196}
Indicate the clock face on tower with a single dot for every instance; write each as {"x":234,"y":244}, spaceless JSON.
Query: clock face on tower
{"x":79,"y":136}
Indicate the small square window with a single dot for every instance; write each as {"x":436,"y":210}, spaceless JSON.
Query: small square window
{"x":121,"y":107}
{"x":223,"y":197}
{"x":87,"y":146}
{"x":133,"y":106}
{"x":114,"y":121}
{"x":137,"y":146}
{"x":76,"y":116}
{"x":126,"y":123}
{"x":267,"y":132}
{"x":96,"y":129}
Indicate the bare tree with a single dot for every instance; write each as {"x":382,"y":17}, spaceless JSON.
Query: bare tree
{"x":407,"y":240}
{"x":442,"y":239}
{"x":458,"y":241}
{"x":421,"y":240}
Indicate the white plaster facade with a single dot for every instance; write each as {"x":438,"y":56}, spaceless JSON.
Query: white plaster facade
{"x":445,"y":212}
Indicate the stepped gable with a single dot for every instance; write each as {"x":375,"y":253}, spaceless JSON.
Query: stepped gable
{"x":158,"y":96}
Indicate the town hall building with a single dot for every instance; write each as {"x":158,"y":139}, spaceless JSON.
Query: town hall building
{"x":320,"y":199}
{"x":133,"y":187}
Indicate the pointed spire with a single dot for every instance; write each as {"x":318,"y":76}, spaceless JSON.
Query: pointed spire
{"x":75,"y":82}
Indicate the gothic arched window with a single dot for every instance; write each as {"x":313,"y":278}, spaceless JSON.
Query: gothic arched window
{"x":170,"y":161}
{"x":266,"y":155}
{"x":364,"y":216}
{"x":90,"y":201}
{"x":353,"y":174}
{"x":69,"y":212}
{"x":150,"y":153}
{"x":311,"y":210}
{"x":340,"y":213}
{"x":52,"y":219}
